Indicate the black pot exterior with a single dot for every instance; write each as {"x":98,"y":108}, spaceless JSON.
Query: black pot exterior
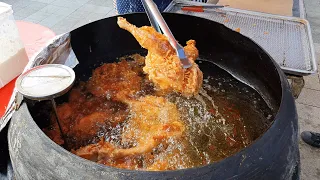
{"x":275,"y":155}
{"x":6,"y":170}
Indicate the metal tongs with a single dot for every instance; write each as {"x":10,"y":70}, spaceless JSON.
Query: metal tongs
{"x":160,"y":25}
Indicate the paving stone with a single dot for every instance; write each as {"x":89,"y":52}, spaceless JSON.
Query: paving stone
{"x":66,"y":25}
{"x":36,"y":5}
{"x":312,"y":82}
{"x":52,"y":20}
{"x":31,"y":20}
{"x":106,"y":3}
{"x":68,"y":3}
{"x":309,"y":97}
{"x":58,"y":10}
{"x":45,"y":1}
{"x":79,"y":14}
{"x":95,"y":9}
{"x":309,"y":115}
{"x":22,"y":4}
{"x":39,"y":16}
{"x":112,"y":13}
{"x":24,"y":12}
{"x":95,"y":16}
{"x":309,"y":120}
{"x":317,"y":50}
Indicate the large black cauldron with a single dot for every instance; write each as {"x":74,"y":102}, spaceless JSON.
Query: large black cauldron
{"x":274,"y":155}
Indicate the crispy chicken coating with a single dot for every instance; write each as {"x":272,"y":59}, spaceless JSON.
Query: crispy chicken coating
{"x":153,"y":120}
{"x":111,"y":79}
{"x":162,"y":64}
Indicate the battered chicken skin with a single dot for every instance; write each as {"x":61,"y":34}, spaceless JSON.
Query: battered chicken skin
{"x":111,"y":79}
{"x":153,"y":120}
{"x":84,"y":116}
{"x":162,"y":64}
{"x":100,"y":152}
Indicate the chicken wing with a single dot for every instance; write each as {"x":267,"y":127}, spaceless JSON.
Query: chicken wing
{"x":162,"y":64}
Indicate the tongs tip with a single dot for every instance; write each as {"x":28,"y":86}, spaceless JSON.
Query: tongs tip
{"x":185,"y":63}
{"x":182,"y":56}
{"x":159,"y":24}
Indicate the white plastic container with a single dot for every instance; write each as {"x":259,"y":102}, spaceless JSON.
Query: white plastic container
{"x":13,"y":57}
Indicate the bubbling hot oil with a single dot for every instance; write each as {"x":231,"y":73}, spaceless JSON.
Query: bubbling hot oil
{"x":224,"y":118}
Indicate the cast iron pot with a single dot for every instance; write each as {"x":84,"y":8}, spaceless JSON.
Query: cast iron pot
{"x":274,"y":155}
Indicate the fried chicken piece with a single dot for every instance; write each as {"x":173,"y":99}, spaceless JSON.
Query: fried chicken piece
{"x":93,"y":151}
{"x":175,"y":156}
{"x":91,"y":124}
{"x":84,"y":116}
{"x":100,"y":152}
{"x":136,"y":62}
{"x":110,"y":79}
{"x":153,"y":120}
{"x":162,"y":64}
{"x":89,"y":152}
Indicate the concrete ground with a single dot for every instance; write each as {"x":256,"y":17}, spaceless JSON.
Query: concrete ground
{"x":64,"y":15}
{"x":308,"y":103}
{"x":61,"y":15}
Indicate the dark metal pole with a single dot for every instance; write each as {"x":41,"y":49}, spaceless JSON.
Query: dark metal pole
{"x":58,"y":120}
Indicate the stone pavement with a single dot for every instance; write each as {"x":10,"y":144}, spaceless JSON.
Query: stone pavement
{"x":308,"y":107}
{"x":64,"y":15}
{"x":313,"y":15}
{"x":308,"y":103}
{"x":61,"y":15}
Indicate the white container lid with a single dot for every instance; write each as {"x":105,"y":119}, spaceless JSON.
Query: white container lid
{"x":45,"y":82}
